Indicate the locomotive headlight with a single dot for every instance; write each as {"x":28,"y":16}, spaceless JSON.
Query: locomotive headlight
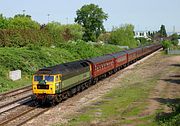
{"x":57,"y":85}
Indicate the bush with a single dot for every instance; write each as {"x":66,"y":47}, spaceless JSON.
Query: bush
{"x":61,"y":33}
{"x":143,"y":41}
{"x":166,"y":44}
{"x":104,"y":37}
{"x":82,"y":50}
{"x":24,"y":37}
{"x":170,"y":119}
{"x":3,"y":22}
{"x":20,"y":21}
{"x":123,"y":36}
{"x":174,"y":39}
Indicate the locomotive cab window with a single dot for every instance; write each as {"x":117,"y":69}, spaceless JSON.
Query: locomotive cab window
{"x":38,"y":78}
{"x":49,"y":78}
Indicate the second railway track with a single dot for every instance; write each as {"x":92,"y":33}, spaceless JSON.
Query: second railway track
{"x":14,"y":104}
{"x":23,"y":115}
{"x":15,"y":92}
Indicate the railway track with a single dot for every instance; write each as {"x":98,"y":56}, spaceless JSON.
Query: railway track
{"x":14,"y":104}
{"x":23,"y":116}
{"x":12,"y":99}
{"x":15,"y":92}
{"x":19,"y":111}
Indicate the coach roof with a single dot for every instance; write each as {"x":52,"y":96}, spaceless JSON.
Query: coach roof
{"x":101,"y":59}
{"x":130,"y":51}
{"x":118,"y":54}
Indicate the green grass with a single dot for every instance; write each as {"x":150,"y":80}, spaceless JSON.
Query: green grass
{"x":6,"y":85}
{"x":29,"y":59}
{"x":126,"y":104}
{"x":119,"y":104}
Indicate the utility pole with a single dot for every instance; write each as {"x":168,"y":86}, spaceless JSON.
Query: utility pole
{"x":66,"y":20}
{"x":24,"y":12}
{"x":174,"y":30}
{"x":48,"y":17}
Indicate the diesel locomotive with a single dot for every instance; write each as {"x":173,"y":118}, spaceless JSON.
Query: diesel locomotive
{"x":56,"y":83}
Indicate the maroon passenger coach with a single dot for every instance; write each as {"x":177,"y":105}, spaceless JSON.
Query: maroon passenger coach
{"x":101,"y":65}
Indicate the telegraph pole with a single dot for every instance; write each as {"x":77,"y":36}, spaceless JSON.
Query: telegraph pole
{"x":48,"y":17}
{"x":66,"y":20}
{"x":24,"y":12}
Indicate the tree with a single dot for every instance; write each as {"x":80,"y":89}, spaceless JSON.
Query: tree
{"x":64,"y":32}
{"x":3,"y":22}
{"x":123,"y":36}
{"x":91,"y":17}
{"x":22,"y":21}
{"x":166,"y":44}
{"x":174,"y":39}
{"x":162,"y":31}
{"x":104,"y":37}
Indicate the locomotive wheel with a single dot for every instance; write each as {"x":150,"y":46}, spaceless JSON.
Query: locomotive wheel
{"x":87,"y":84}
{"x":58,"y":98}
{"x":40,"y":102}
{"x":95,"y":80}
{"x":64,"y":96}
{"x":69,"y":93}
{"x":82,"y":87}
{"x":78,"y":88}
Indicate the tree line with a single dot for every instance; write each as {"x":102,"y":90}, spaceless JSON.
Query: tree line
{"x":21,"y":30}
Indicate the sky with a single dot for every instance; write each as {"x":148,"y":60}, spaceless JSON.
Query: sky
{"x":145,"y":15}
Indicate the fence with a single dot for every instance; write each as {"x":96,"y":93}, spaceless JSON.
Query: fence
{"x":169,"y":51}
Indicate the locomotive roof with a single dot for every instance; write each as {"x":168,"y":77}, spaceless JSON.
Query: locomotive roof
{"x":64,"y":68}
{"x":101,"y":58}
{"x":118,"y":54}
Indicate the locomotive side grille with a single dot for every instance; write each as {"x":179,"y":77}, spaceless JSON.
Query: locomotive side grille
{"x":42,"y":86}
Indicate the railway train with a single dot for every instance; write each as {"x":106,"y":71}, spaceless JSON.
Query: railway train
{"x":57,"y":83}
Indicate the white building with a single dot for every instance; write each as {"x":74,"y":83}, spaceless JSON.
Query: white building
{"x":141,"y":34}
{"x":179,"y":41}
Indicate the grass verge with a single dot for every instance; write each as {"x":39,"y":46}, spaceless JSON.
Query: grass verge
{"x":118,"y":106}
{"x":126,"y":104}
